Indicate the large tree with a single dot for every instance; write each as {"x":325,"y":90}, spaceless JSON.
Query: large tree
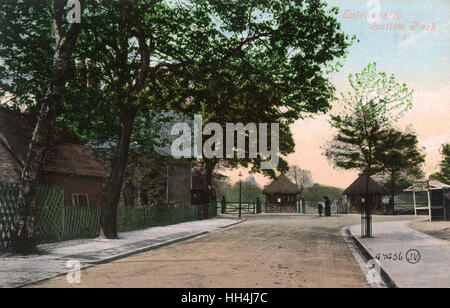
{"x":444,"y":173}
{"x":367,"y":113}
{"x":171,"y":55}
{"x":279,"y":79}
{"x":36,"y":42}
{"x":127,"y":59}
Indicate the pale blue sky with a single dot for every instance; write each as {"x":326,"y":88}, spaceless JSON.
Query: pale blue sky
{"x":415,"y":57}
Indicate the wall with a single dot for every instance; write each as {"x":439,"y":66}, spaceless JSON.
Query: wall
{"x":287,"y":205}
{"x":91,"y":186}
{"x":179,"y":184}
{"x":9,"y":170}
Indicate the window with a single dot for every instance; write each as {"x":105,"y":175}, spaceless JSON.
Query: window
{"x":80,"y":201}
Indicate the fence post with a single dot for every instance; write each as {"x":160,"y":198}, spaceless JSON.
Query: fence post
{"x":63,"y":219}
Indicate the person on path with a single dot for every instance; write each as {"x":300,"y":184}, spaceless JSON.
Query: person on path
{"x":327,"y":206}
{"x":320,"y":209}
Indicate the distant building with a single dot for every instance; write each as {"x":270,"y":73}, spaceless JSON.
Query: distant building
{"x":281,"y":195}
{"x":437,"y":199}
{"x":357,"y":191}
{"x":71,"y":166}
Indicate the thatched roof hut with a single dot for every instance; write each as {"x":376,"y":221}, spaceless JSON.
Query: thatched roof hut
{"x":358,"y":187}
{"x":281,"y":196}
{"x":374,"y":194}
{"x":281,"y":185}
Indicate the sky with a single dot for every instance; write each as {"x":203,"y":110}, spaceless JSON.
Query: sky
{"x":414,"y":45}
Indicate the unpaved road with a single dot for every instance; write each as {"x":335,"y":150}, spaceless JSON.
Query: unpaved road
{"x":265,"y":251}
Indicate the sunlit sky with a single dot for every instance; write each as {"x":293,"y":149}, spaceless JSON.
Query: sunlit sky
{"x":416,"y":56}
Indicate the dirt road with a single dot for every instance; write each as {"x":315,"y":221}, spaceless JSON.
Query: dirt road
{"x":265,"y":251}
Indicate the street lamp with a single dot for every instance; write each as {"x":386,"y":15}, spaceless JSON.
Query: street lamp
{"x":240,"y":193}
{"x":366,"y":217}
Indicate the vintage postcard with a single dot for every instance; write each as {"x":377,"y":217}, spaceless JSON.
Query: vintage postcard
{"x":228,"y":151}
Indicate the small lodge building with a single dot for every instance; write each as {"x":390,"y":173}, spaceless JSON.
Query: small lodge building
{"x":71,"y":166}
{"x":358,"y":189}
{"x":437,"y":196}
{"x":281,"y":195}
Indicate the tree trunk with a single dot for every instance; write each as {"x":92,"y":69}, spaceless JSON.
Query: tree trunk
{"x":392,"y":200}
{"x":209,"y":170}
{"x":210,"y":165}
{"x":33,"y":165}
{"x":110,"y":208}
{"x":30,"y":176}
{"x":392,"y":204}
{"x":115,"y":181}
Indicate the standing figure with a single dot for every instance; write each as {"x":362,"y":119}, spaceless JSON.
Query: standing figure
{"x":327,"y":206}
{"x":258,"y":206}
{"x":320,"y":209}
{"x":223,"y":205}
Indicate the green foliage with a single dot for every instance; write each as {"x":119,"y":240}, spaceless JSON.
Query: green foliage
{"x":444,"y":174}
{"x":400,"y":157}
{"x":368,"y":114}
{"x":317,"y":192}
{"x":26,"y":50}
{"x":376,"y":95}
{"x":250,"y":191}
{"x":353,"y":147}
{"x":278,"y":74}
{"x":366,"y":139}
{"x":230,"y":50}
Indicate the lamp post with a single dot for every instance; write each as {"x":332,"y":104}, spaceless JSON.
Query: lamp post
{"x":366,"y":217}
{"x":240,"y":193}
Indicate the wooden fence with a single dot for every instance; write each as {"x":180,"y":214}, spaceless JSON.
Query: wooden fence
{"x":54,"y":222}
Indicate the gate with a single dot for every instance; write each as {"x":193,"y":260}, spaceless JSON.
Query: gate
{"x":233,"y":208}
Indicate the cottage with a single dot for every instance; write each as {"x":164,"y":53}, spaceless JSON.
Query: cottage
{"x":358,"y":190}
{"x":281,"y":196}
{"x":71,"y":166}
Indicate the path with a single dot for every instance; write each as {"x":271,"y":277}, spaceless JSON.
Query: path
{"x":20,"y":271}
{"x":412,"y":259}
